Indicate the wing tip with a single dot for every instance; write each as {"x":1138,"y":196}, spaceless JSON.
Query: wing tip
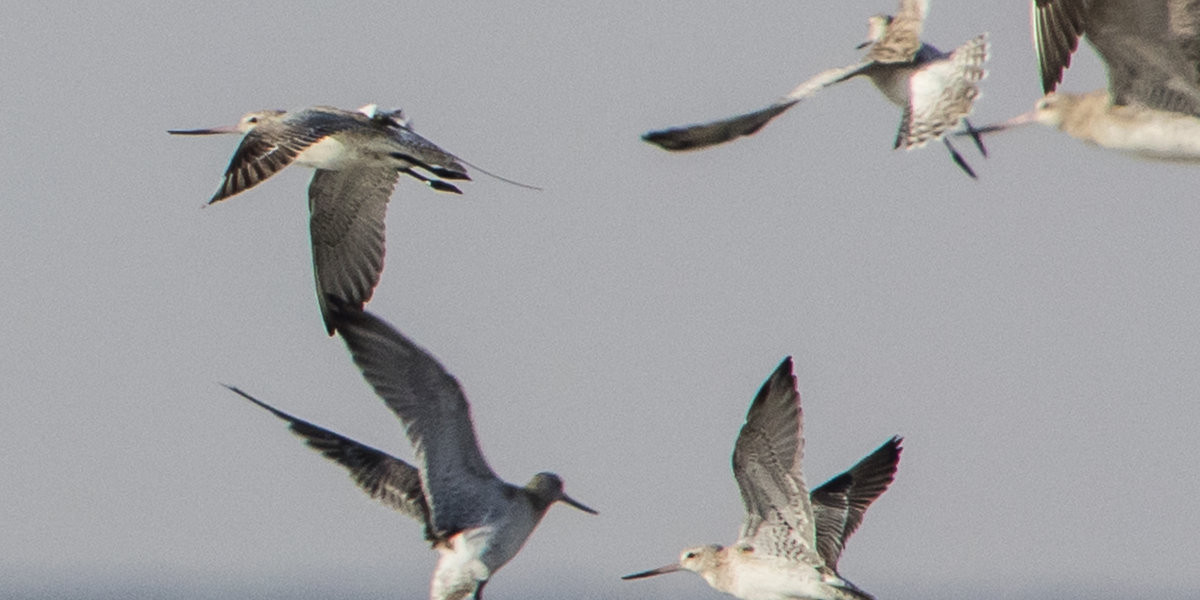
{"x":781,"y":384}
{"x":668,"y":139}
{"x":786,"y":367}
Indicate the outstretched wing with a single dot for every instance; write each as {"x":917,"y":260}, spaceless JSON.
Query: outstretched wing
{"x":459,"y":486}
{"x":347,"y":225}
{"x":767,"y":465}
{"x":271,"y":146}
{"x":840,"y":503}
{"x":1057,"y":27}
{"x":383,"y":477}
{"x":703,"y":135}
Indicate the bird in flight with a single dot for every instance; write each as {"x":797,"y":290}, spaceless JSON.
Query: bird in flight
{"x":790,"y":540}
{"x":474,"y":519}
{"x":936,"y":90}
{"x":359,"y":156}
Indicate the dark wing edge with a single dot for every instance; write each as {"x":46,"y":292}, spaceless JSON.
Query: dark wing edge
{"x":703,"y":135}
{"x":1057,"y":27}
{"x":830,"y":504}
{"x":268,"y":149}
{"x":254,"y":161}
{"x":393,"y":482}
{"x":860,"y":486}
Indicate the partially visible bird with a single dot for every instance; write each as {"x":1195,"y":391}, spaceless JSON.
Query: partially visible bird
{"x":358,"y":156}
{"x":790,"y":541}
{"x":1151,"y":48}
{"x":936,"y":90}
{"x":475,"y":520}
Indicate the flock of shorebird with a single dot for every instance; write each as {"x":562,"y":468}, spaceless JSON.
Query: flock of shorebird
{"x":791,"y":538}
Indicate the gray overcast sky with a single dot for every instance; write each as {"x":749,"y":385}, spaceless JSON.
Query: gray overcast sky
{"x":1034,"y":335}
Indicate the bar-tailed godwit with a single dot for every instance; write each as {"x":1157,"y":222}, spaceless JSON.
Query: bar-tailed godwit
{"x":358,"y":156}
{"x":474,"y":519}
{"x":790,"y":541}
{"x":1151,"y":107}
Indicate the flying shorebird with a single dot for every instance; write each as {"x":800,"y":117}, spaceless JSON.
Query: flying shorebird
{"x":1151,"y":49}
{"x":935,"y":89}
{"x":358,"y":157}
{"x":473,"y":518}
{"x":791,"y":540}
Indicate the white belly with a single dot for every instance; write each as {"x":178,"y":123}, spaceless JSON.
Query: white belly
{"x":327,"y":153}
{"x":1149,"y":134}
{"x":777,"y":580}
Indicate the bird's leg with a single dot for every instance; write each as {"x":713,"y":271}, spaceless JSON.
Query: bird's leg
{"x":958,"y":159}
{"x":975,"y":135}
{"x":436,"y":184}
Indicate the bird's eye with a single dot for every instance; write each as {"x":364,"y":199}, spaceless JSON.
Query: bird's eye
{"x":690,"y":555}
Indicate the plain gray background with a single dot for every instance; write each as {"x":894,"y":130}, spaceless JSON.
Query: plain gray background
{"x":1032,"y":334}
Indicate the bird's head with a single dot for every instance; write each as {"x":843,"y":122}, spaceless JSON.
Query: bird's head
{"x":698,"y":559}
{"x":547,"y":488}
{"x":248,"y":122}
